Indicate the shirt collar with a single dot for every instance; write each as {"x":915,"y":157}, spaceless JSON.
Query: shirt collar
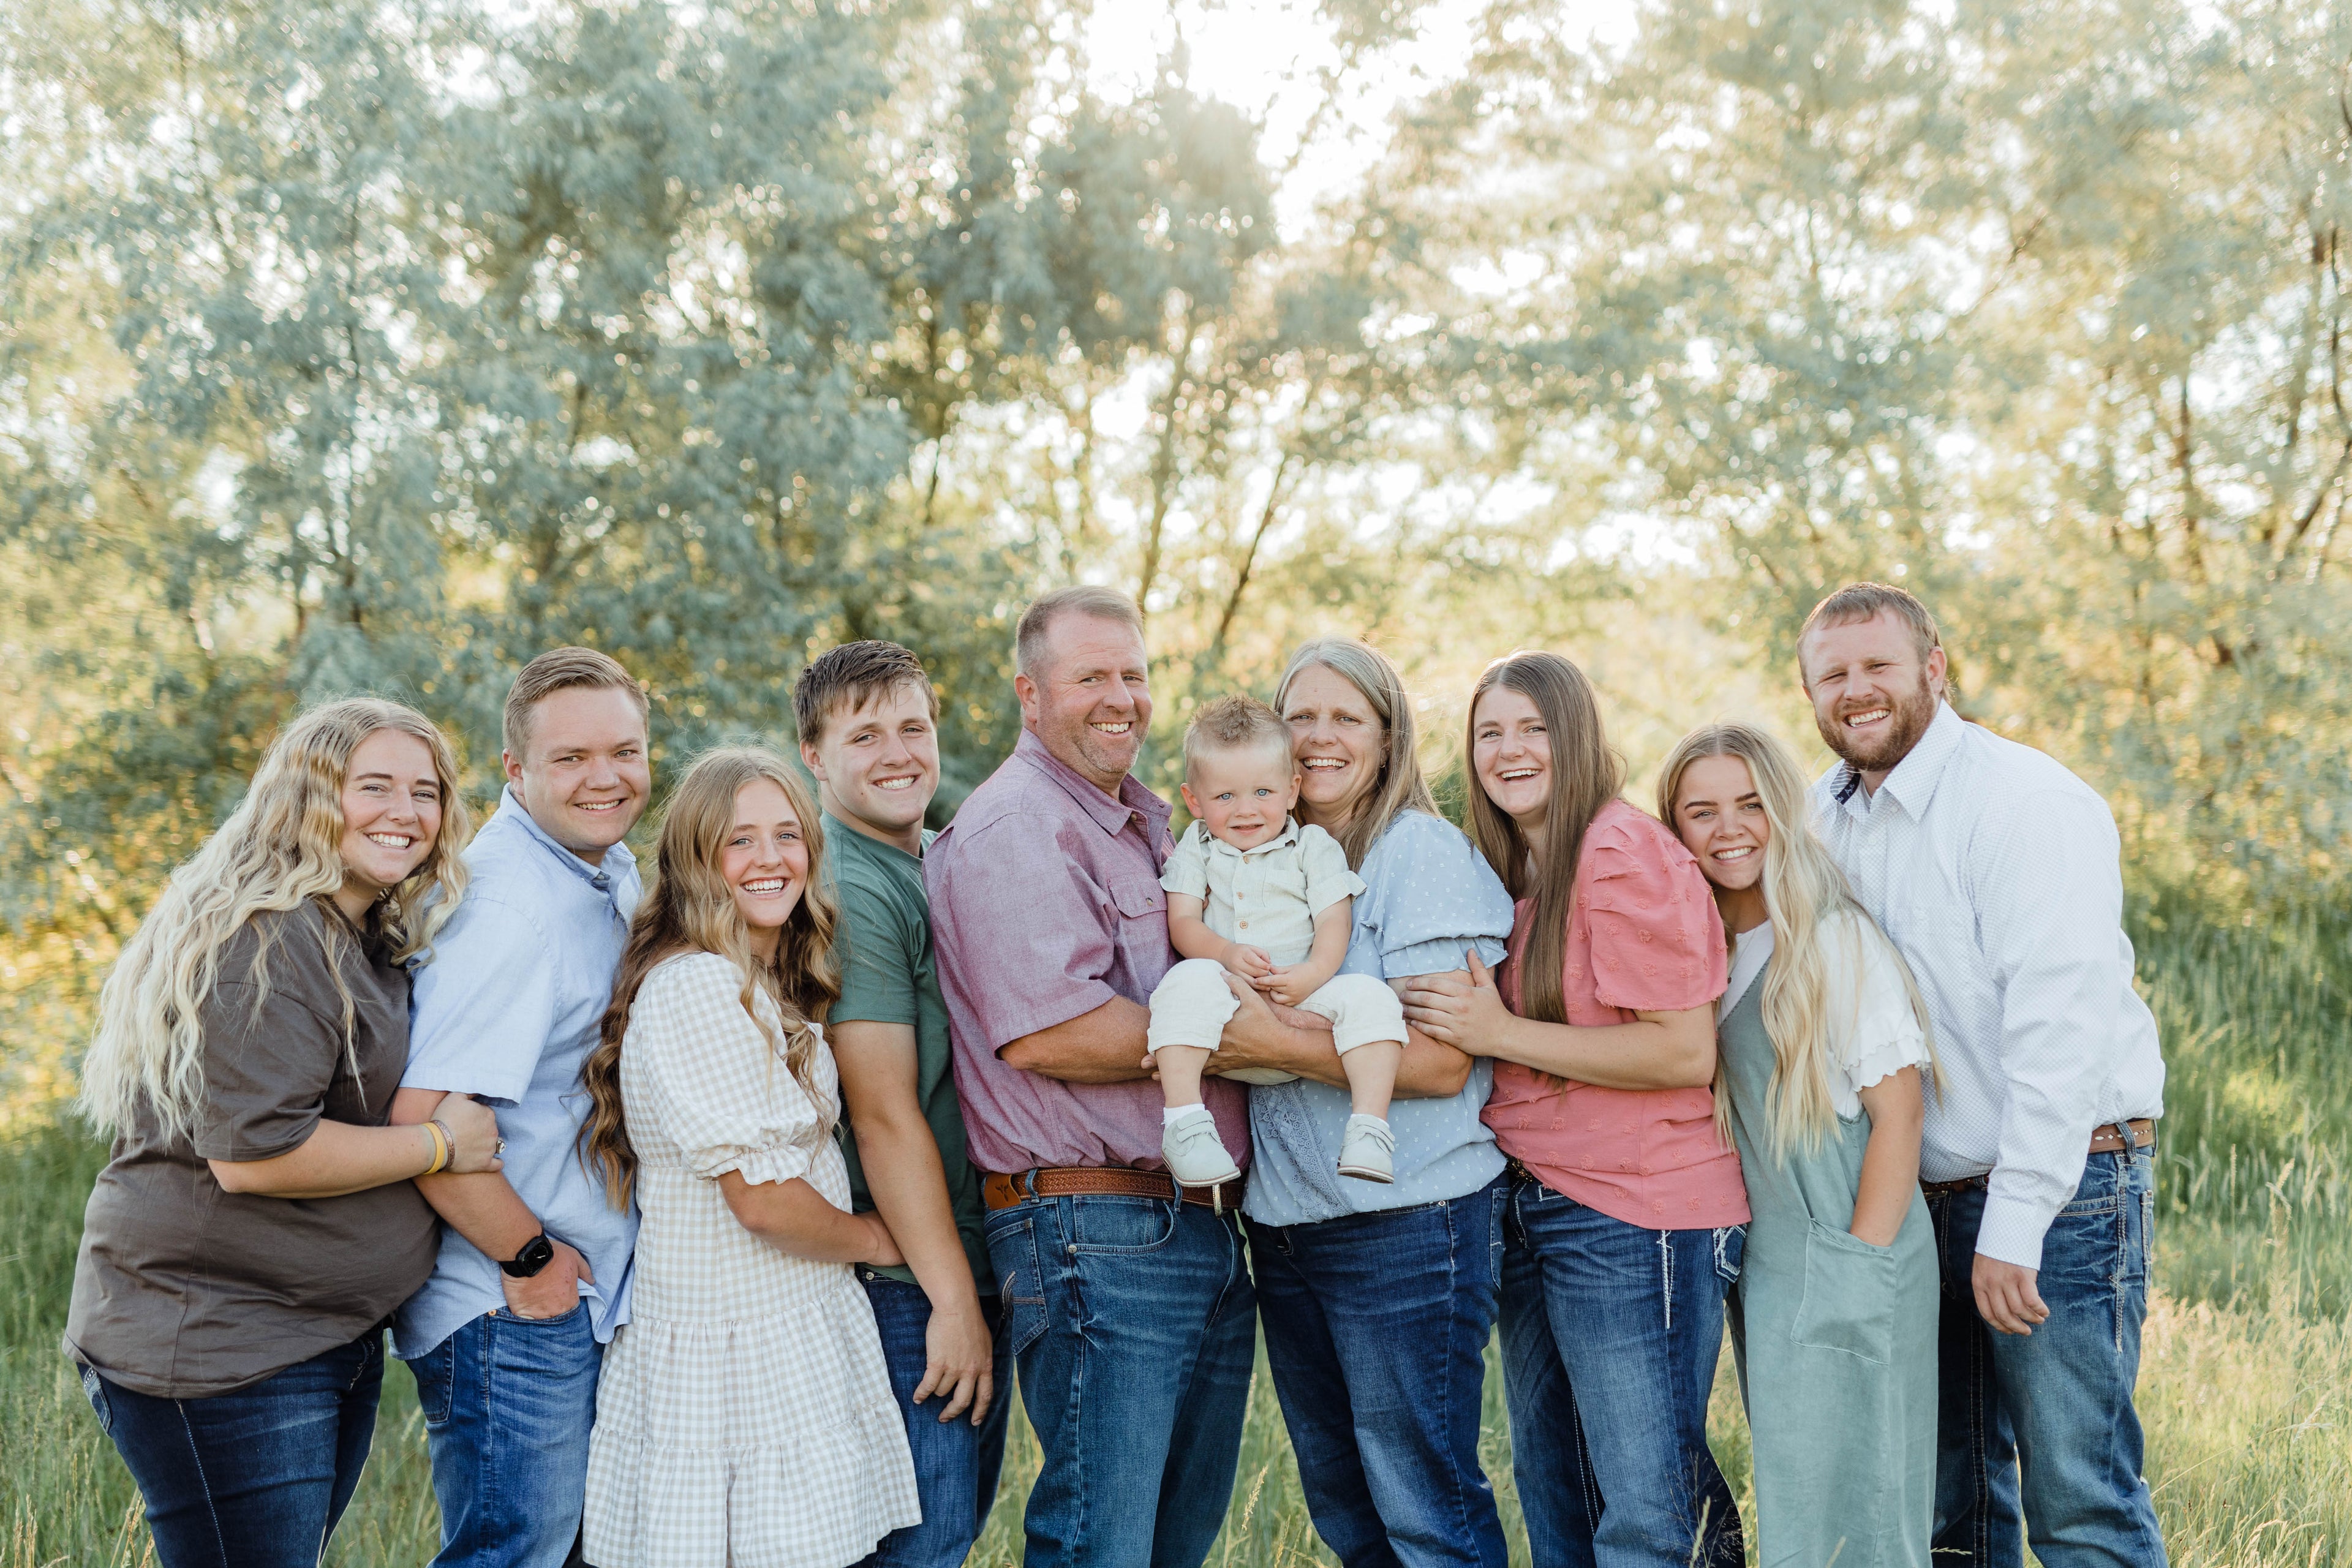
{"x":1110,"y":815}
{"x":1289,"y":835}
{"x":1911,"y":782}
{"x":839,"y":832}
{"x":617,"y":859}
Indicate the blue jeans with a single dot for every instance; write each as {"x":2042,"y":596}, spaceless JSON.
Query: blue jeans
{"x":508,"y":1405}
{"x":256,"y":1479}
{"x":2045,"y":1422}
{"x":956,"y":1463}
{"x":1610,"y":1339}
{"x":1134,"y":1327}
{"x":1376,"y":1329}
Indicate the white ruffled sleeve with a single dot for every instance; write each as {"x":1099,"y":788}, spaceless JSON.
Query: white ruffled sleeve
{"x":1877,"y":1034}
{"x":722,"y":1092}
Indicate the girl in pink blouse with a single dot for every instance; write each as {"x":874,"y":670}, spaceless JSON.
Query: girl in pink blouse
{"x":1626,"y":1220}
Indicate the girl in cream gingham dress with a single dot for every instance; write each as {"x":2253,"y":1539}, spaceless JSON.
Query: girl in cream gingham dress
{"x":744,"y":1418}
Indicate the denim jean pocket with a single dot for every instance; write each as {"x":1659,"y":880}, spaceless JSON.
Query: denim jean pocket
{"x":1849,"y":1300}
{"x":93,"y":1388}
{"x":1730,"y":1252}
{"x":435,"y":1372}
{"x":1106,"y":1225}
{"x":1497,"y":1205}
{"x":1020,"y":1284}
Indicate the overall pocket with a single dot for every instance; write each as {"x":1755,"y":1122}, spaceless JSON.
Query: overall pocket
{"x":1849,"y":1300}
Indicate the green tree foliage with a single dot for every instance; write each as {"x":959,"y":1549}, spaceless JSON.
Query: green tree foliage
{"x":352,"y":344}
{"x":2037,"y":307}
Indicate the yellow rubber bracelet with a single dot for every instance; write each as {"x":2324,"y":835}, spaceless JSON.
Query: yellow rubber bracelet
{"x":442,"y":1152}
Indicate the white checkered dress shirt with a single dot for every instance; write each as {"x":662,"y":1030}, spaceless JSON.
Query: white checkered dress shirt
{"x":1997,"y":872}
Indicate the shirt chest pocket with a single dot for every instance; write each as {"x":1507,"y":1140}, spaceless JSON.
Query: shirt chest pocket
{"x":1140,"y":907}
{"x":1138,"y":897}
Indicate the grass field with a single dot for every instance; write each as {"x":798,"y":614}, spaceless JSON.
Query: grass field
{"x":2246,"y":1386}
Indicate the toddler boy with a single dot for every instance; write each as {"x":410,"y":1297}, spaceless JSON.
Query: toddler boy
{"x":1252,"y":892}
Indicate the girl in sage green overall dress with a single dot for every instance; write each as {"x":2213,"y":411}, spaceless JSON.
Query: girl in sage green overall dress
{"x":1821,"y":1045}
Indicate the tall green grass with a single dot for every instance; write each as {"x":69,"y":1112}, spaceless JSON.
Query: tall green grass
{"x":2244,"y":1387}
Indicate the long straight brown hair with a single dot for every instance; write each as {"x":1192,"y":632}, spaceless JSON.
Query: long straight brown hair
{"x":690,"y":909}
{"x":1586,"y":775}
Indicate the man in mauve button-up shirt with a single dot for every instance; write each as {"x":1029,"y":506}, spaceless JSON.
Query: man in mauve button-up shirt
{"x":1051,"y":931}
{"x":1046,"y":910}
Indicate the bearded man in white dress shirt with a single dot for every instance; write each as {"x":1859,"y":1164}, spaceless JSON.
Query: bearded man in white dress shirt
{"x":1997,"y":872}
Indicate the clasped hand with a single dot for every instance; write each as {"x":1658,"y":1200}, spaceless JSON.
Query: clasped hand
{"x":1461,"y":1006}
{"x":1288,"y":983}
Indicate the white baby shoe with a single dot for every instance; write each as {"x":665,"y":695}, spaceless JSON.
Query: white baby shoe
{"x":1196,"y":1156}
{"x":1365,"y":1150}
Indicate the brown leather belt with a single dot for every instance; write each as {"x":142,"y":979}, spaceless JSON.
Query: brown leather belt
{"x":2109,"y":1139}
{"x":1002,"y":1192}
{"x":2105,"y":1140}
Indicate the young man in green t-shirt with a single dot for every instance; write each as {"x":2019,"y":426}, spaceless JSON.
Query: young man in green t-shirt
{"x":868,"y":731}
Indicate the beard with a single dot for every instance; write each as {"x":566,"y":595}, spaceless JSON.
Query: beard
{"x":1906,"y":721}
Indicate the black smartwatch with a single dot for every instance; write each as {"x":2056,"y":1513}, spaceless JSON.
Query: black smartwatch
{"x":536,"y":1254}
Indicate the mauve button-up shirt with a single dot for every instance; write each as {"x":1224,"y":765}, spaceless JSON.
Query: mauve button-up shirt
{"x":1046,"y":903}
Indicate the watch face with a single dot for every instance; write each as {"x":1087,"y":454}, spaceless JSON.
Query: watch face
{"x":536,"y":1254}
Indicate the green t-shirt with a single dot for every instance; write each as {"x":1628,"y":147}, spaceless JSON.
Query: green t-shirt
{"x":888,"y":977}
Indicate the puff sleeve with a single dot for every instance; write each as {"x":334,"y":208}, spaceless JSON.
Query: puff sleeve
{"x":1429,"y":897}
{"x":718,"y":1087}
{"x":1657,"y":943}
{"x":1877,"y":1034}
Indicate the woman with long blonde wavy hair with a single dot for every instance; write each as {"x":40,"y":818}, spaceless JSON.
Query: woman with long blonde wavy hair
{"x":1824,"y":1054}
{"x":256,"y":1223}
{"x":744,"y":1413}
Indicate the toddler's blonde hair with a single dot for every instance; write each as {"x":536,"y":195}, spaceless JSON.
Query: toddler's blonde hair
{"x":1233,"y":724}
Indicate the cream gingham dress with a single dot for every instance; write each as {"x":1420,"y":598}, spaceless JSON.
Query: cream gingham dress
{"x":744,"y":1417}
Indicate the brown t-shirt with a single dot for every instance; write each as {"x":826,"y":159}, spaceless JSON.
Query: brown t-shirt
{"x":184,"y":1290}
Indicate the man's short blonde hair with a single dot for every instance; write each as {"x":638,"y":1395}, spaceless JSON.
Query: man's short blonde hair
{"x":1234,"y":724}
{"x":1037,"y":620}
{"x":560,"y":669}
{"x":1859,"y":602}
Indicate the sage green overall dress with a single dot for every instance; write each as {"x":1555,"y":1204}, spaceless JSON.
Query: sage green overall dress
{"x":1835,"y":1338}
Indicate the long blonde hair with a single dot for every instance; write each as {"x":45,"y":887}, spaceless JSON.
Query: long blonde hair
{"x":689,"y":907}
{"x":1398,"y":786}
{"x":1585,"y":776}
{"x":279,"y":849}
{"x":1807,"y":899}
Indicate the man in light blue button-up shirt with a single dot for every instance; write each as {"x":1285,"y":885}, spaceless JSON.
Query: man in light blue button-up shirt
{"x":506,"y":1337}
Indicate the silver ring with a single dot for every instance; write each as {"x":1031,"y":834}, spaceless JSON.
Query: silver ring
{"x":501,"y":1150}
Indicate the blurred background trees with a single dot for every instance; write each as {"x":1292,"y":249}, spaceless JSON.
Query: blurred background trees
{"x":347,"y":344}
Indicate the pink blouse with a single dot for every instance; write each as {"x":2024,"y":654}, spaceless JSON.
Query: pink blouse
{"x":1642,"y":936}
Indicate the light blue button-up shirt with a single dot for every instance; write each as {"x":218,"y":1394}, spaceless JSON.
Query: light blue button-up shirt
{"x":506,"y":1008}
{"x":1429,"y":897}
